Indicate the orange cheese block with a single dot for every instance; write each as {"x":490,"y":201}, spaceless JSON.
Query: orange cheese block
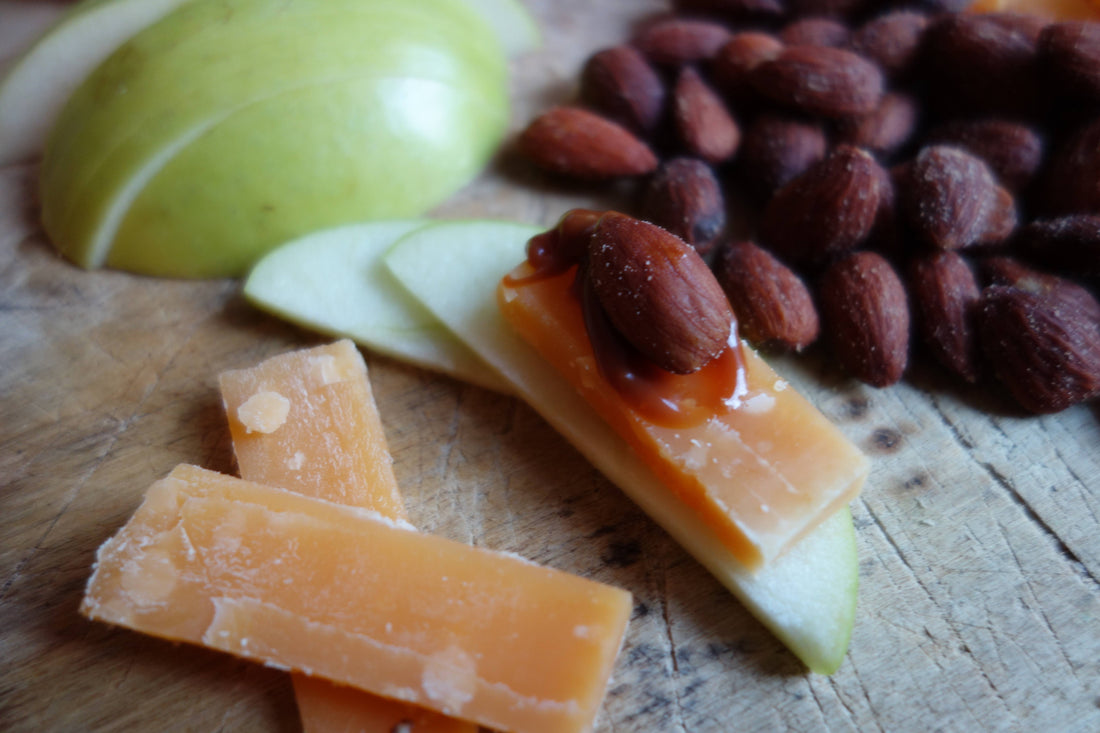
{"x":307,"y":421}
{"x":762,"y":471}
{"x":330,"y":708}
{"x":345,"y":594}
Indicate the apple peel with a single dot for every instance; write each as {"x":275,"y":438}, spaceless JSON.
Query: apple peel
{"x":807,"y":597}
{"x":334,"y":282}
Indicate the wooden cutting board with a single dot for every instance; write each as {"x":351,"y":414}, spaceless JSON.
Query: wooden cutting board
{"x":979,"y":531}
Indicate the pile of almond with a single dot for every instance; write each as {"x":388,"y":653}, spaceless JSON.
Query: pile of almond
{"x":910,"y":167}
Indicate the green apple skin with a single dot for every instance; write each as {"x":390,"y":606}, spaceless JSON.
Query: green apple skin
{"x":263,"y":177}
{"x":35,"y":89}
{"x":333,"y":281}
{"x":173,"y":84}
{"x":807,"y":597}
{"x":37,"y":86}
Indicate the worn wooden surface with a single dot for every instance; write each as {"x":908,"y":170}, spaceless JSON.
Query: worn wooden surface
{"x":979,"y":532}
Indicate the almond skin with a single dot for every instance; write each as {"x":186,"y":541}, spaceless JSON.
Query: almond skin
{"x":1070,"y":244}
{"x":828,"y":210}
{"x":951,"y":199}
{"x":685,"y":197}
{"x":1045,"y":351}
{"x":884,"y":130}
{"x":776,"y":149}
{"x":1013,"y":151}
{"x":677,"y":41}
{"x":944,"y":292}
{"x":1069,"y":54}
{"x":658,"y":293}
{"x":773,"y":306}
{"x":866,"y":312}
{"x":621,"y":85}
{"x":703,"y":124}
{"x":577,"y":143}
{"x":891,"y":40}
{"x":816,"y":80}
{"x":816,"y":32}
{"x":731,"y":67}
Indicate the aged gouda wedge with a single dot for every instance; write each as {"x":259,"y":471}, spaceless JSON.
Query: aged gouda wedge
{"x":342,"y":593}
{"x":761,"y":473}
{"x":306,"y":421}
{"x":282,"y":413}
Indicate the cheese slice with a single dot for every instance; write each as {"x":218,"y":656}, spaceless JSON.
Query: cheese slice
{"x":307,"y":421}
{"x":762,"y":472}
{"x":345,"y":594}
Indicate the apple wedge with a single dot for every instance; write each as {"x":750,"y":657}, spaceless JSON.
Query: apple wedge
{"x":272,"y":120}
{"x":334,"y":282}
{"x":807,"y":597}
{"x":37,"y":86}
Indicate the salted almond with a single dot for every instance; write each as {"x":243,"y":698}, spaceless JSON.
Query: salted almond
{"x":685,"y":197}
{"x":944,"y":292}
{"x":776,"y":149}
{"x":678,"y":41}
{"x":1045,"y":351}
{"x":891,"y":40}
{"x":658,"y":293}
{"x":1069,"y":54}
{"x":866,"y":313}
{"x":621,"y":85}
{"x":885,"y":129}
{"x":705,"y":127}
{"x":773,"y":306}
{"x":1012,"y":150}
{"x":1070,"y":181}
{"x":1070,"y":244}
{"x":731,"y":66}
{"x":814,"y":31}
{"x":829,"y":82}
{"x":828,"y":210}
{"x":575,"y":142}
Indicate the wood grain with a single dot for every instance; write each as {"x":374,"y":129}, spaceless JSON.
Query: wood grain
{"x":979,"y":532}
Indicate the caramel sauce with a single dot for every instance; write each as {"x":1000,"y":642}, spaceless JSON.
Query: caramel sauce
{"x":659,"y":396}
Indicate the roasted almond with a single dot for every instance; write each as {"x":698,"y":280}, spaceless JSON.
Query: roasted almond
{"x":621,"y":85}
{"x":1069,"y":53}
{"x":944,"y":293}
{"x":815,"y":32}
{"x":731,"y":66}
{"x":952,"y":200}
{"x":704,"y":126}
{"x":1069,"y":244}
{"x":777,"y":149}
{"x":1012,"y":150}
{"x":773,"y":306}
{"x":658,"y":293}
{"x":826,"y":211}
{"x":736,"y":10}
{"x":891,"y":40}
{"x":677,"y":41}
{"x":985,"y":64}
{"x":1046,"y":352}
{"x":838,"y":8}
{"x":1071,"y":182}
{"x":866,"y":314}
{"x":1003,"y":270}
{"x":829,"y":82}
{"x":685,"y":197}
{"x":884,"y":130}
{"x":575,"y":142}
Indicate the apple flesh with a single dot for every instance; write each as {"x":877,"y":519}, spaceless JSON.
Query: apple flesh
{"x":334,"y":282}
{"x":407,"y":100}
{"x":807,"y":597}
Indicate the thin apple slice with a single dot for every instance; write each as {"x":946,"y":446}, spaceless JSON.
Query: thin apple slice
{"x":806,"y":598}
{"x":36,"y":87}
{"x":168,"y":88}
{"x":333,"y":281}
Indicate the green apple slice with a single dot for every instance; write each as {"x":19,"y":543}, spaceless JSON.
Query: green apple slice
{"x":36,"y":87}
{"x":334,"y":282}
{"x":174,"y":83}
{"x":806,"y":598}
